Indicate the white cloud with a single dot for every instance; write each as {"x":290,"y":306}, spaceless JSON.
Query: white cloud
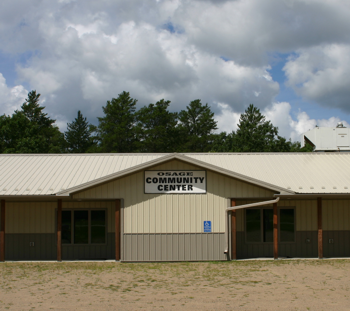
{"x":81,"y":54}
{"x":279,"y":113}
{"x":321,"y":74}
{"x":150,"y":63}
{"x":247,"y":30}
{"x":11,"y":98}
{"x":84,"y":30}
{"x":227,"y":120}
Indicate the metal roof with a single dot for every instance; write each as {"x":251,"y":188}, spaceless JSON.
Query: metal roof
{"x":45,"y":174}
{"x":299,"y":172}
{"x":49,"y":174}
{"x":173,"y":156}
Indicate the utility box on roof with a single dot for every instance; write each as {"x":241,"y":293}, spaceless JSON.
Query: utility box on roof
{"x":327,"y":138}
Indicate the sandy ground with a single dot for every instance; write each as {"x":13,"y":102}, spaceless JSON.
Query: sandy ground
{"x":241,"y":285}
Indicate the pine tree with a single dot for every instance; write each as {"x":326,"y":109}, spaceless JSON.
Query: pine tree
{"x":197,"y":125}
{"x":222,"y":142}
{"x":256,"y":134}
{"x":116,"y":130}
{"x":156,"y":128}
{"x":30,"y":130}
{"x":79,"y":135}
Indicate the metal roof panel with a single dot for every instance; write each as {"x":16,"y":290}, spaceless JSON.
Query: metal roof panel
{"x":46,"y":174}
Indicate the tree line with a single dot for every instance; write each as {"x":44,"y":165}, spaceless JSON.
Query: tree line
{"x":152,"y":128}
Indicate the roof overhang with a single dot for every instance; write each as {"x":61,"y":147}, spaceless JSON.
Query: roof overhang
{"x":167,"y":158}
{"x":47,"y":198}
{"x":312,"y":196}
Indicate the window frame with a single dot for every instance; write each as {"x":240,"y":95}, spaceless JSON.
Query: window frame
{"x":89,"y":210}
{"x":262,"y":224}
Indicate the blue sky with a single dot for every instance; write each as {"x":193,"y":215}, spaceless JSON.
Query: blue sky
{"x":8,"y":64}
{"x":8,"y":68}
{"x":287,"y":94}
{"x":279,"y":55}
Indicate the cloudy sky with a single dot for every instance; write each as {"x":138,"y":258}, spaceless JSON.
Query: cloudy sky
{"x":290,"y":58}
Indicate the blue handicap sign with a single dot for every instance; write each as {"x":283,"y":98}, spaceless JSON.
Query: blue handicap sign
{"x":207,"y":225}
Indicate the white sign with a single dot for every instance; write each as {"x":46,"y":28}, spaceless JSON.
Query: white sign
{"x":175,"y":182}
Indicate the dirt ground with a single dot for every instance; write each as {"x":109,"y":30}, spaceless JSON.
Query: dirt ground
{"x":240,"y":285}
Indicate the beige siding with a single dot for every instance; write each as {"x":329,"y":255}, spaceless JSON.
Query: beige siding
{"x":174,"y":213}
{"x":40,"y":217}
{"x":174,"y":247}
{"x":336,"y":214}
{"x":306,"y":213}
{"x":30,"y":217}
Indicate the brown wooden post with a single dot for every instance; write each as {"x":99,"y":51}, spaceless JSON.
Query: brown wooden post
{"x":319,"y":228}
{"x":117,"y":230}
{"x":275,"y":231}
{"x":2,"y":232}
{"x":233,"y":231}
{"x":59,"y":230}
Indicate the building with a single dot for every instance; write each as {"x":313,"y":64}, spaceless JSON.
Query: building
{"x":328,"y":139}
{"x":174,"y":207}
